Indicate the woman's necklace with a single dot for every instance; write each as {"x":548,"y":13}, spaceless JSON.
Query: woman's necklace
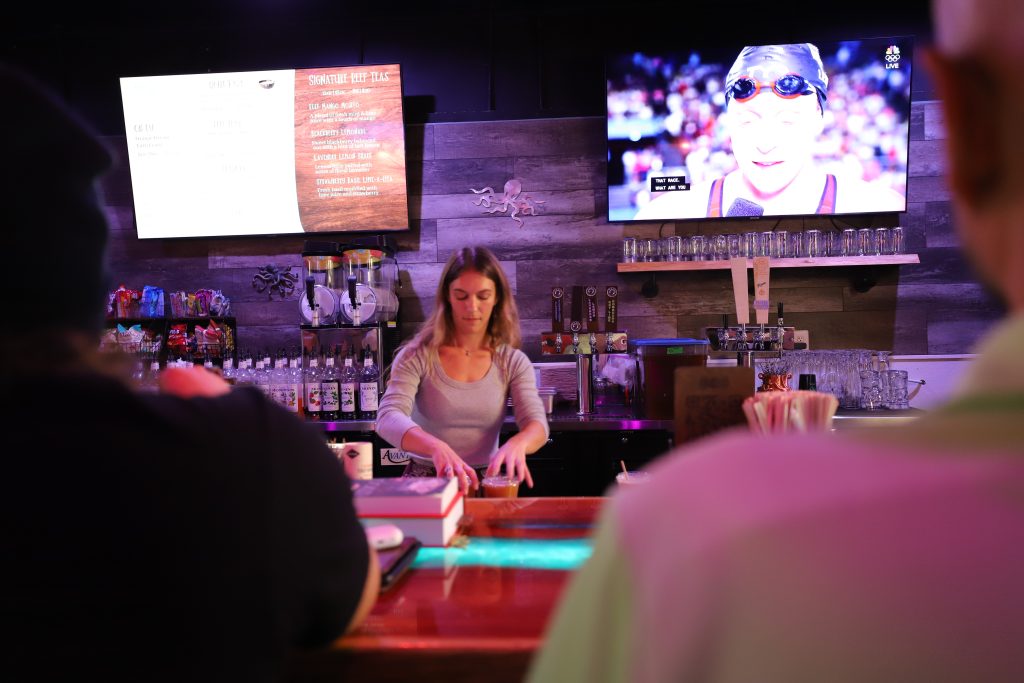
{"x":465,"y":349}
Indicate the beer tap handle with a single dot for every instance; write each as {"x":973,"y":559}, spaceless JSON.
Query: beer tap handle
{"x":741,"y":338}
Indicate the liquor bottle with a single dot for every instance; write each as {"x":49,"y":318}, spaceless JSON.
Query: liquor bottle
{"x":287,"y":391}
{"x":311,"y":381}
{"x":244,"y":373}
{"x":295,"y":386}
{"x":150,"y":380}
{"x":276,"y":381}
{"x":368,"y":387}
{"x":228,"y":371}
{"x":349,"y":386}
{"x":261,"y":376}
{"x":330,"y":389}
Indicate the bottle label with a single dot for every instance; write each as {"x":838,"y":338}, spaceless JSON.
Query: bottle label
{"x":368,"y":397}
{"x":348,"y":398}
{"x":313,"y":398}
{"x":290,"y":397}
{"x":329,"y":396}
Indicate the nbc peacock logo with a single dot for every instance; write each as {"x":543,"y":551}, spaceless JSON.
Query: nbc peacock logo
{"x":892,"y":57}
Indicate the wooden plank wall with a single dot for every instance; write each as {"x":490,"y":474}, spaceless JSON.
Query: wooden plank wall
{"x":935,"y":308}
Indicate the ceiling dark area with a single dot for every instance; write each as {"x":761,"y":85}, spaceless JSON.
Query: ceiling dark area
{"x":460,"y":60}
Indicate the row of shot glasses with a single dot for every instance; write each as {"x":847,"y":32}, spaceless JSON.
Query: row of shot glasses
{"x":775,"y":244}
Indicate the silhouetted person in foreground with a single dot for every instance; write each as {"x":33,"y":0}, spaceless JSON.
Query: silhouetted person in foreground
{"x":145,"y":537}
{"x":895,"y":557}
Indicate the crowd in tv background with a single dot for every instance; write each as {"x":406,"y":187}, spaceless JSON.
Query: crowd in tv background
{"x":670,"y":111}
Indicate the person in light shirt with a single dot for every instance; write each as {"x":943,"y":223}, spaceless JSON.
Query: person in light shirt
{"x":889,"y":555}
{"x":446,"y":398}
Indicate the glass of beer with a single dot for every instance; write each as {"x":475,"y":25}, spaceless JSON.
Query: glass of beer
{"x":500,"y":486}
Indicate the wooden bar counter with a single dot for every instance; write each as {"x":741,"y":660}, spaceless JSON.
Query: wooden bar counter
{"x":468,"y":613}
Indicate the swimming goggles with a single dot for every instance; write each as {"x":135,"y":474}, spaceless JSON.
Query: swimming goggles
{"x":786,"y":87}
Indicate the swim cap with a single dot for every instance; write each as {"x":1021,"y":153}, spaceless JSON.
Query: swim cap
{"x":766,"y":63}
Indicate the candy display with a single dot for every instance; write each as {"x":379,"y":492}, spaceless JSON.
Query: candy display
{"x":202,"y":303}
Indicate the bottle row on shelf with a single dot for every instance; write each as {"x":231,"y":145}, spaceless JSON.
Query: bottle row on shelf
{"x":333,"y":386}
{"x":325,"y":389}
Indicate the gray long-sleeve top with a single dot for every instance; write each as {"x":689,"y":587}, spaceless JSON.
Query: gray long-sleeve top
{"x":465,"y":415}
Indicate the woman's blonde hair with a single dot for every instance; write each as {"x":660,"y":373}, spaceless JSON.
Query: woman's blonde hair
{"x":439,"y":328}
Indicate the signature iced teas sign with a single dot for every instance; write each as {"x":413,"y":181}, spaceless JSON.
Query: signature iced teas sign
{"x":350,"y":148}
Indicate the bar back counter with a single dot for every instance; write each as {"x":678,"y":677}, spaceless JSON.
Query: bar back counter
{"x":581,"y":457}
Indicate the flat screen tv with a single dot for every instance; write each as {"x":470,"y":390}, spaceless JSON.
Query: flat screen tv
{"x":267,"y":152}
{"x":746,"y":129}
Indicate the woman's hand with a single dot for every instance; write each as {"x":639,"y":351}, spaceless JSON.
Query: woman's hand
{"x":512,"y":455}
{"x":448,"y":464}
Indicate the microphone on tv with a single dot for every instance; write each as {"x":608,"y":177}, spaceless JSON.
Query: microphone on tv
{"x":743,"y":207}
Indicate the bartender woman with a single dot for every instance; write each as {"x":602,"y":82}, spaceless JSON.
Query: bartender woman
{"x":446,"y":399}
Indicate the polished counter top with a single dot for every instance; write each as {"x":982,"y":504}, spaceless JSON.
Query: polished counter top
{"x":472,"y":612}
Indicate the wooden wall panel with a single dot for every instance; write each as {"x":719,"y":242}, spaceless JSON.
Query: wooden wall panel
{"x":934,"y":120}
{"x":525,"y":138}
{"x":419,"y":244}
{"x":927,"y":188}
{"x":455,"y":176}
{"x":463,"y":205}
{"x":958,"y":330}
{"x":934,"y":307}
{"x":940,"y":230}
{"x":560,"y":173}
{"x":927,"y":158}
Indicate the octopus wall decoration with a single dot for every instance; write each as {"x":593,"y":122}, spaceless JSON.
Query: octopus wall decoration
{"x":274,"y":279}
{"x":513,"y":198}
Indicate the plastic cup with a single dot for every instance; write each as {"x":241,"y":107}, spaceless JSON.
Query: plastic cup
{"x":632,"y":478}
{"x":500,"y":486}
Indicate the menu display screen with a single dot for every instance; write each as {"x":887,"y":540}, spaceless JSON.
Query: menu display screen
{"x":267,"y":152}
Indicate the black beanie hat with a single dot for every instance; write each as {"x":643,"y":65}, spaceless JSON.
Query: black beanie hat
{"x":55,"y":232}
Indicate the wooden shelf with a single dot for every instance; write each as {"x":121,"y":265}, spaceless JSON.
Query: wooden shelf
{"x":821,"y":262}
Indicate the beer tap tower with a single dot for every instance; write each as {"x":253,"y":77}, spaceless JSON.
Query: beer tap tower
{"x":584,"y":339}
